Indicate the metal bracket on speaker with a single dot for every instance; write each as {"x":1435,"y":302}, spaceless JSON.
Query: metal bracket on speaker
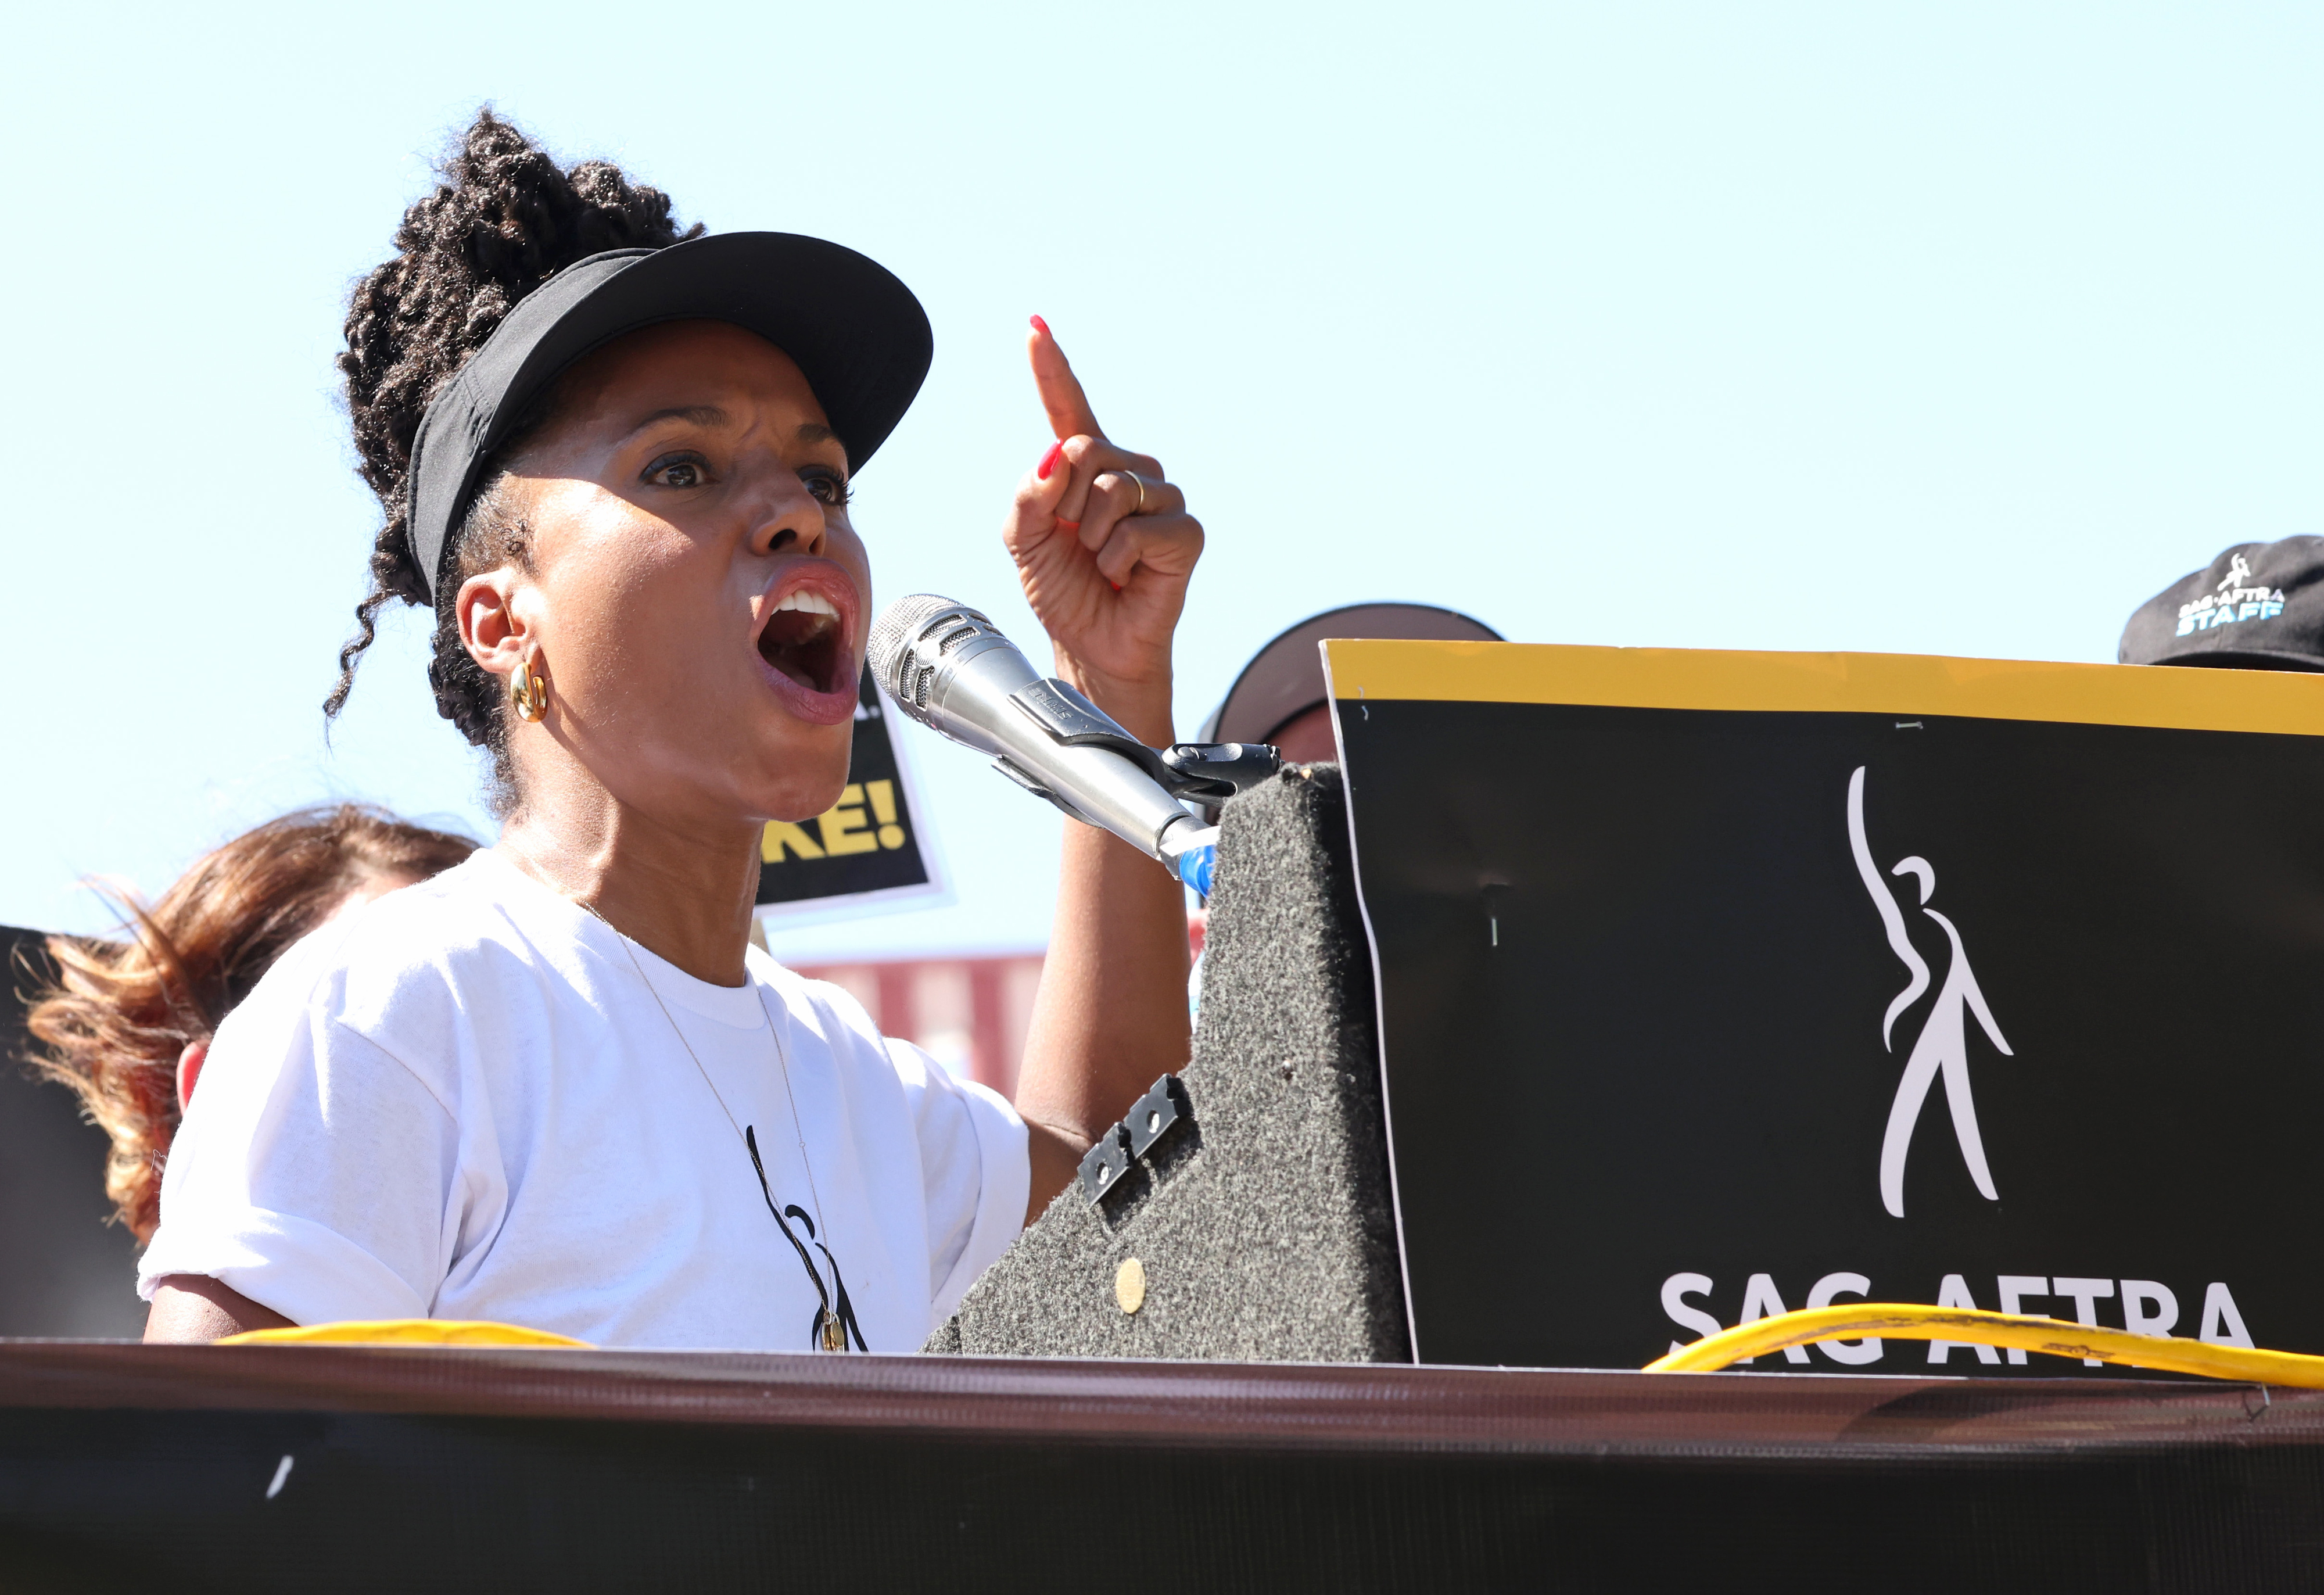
{"x":1103,"y":1164}
{"x":1155,"y":1114}
{"x":1163,"y":1107}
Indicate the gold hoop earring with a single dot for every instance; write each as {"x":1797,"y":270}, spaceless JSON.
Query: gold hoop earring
{"x":528,"y":693}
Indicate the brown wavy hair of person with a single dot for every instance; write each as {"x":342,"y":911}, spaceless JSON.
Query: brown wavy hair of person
{"x":120,"y":1012}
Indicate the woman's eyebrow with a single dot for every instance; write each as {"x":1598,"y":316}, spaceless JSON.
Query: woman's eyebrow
{"x":816,"y":432}
{"x":701,"y":415}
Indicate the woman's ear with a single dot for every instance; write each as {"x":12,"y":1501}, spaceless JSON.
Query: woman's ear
{"x":489,"y":628}
{"x":189,"y":1069}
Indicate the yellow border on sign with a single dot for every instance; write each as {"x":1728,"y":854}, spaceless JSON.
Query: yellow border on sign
{"x":2180,"y":698}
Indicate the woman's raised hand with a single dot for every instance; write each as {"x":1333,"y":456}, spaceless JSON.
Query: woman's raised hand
{"x":1104,"y":546}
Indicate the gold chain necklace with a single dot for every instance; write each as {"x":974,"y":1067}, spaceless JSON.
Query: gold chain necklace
{"x":831,"y":1333}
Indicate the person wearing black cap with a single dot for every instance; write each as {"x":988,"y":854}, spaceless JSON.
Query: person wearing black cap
{"x":2258,"y":606}
{"x":555,"y":1086}
{"x":1279,"y":697}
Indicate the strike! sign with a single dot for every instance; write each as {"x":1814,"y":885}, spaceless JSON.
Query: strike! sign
{"x":867,"y":849}
{"x":1718,"y":984}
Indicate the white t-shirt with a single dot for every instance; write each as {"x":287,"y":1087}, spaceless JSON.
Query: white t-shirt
{"x":462,"y":1101}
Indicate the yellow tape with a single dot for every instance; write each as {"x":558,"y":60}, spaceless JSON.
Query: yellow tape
{"x":2183,"y":698}
{"x":1898,"y":1321}
{"x":402,"y":1331}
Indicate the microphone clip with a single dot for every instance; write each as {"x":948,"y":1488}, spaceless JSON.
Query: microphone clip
{"x":1192,"y":772}
{"x":1213,"y":772}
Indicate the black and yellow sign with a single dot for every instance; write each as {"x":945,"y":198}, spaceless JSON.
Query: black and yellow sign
{"x":1718,"y":984}
{"x":867,"y":846}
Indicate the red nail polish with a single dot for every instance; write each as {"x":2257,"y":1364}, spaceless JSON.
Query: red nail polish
{"x":1041,"y":326}
{"x":1049,"y":460}
{"x":1116,"y":585}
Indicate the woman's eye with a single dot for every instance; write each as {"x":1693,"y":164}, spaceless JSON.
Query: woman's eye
{"x":825,"y":487}
{"x":686,"y":471}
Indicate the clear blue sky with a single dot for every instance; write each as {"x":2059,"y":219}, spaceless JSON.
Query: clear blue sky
{"x":1948,"y":329}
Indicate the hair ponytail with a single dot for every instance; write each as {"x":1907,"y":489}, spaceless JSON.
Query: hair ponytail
{"x":504,"y":220}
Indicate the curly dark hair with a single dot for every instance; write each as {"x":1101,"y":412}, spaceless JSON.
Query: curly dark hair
{"x":504,"y":220}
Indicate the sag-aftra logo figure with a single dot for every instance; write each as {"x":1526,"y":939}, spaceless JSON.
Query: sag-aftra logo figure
{"x":2234,"y":602}
{"x":1943,"y":1043}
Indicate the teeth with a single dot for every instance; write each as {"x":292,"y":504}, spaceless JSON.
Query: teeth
{"x":812,"y":602}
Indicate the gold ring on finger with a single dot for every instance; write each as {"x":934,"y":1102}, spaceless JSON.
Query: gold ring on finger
{"x":1139,"y":482}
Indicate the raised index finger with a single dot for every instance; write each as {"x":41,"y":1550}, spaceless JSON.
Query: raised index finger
{"x":1061,"y":391}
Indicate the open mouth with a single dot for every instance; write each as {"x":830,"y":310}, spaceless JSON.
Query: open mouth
{"x":803,"y":640}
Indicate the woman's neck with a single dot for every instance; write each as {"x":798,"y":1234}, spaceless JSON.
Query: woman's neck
{"x":684,"y":893}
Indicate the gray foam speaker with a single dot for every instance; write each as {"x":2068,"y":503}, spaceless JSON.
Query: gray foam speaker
{"x":1264,"y":1228}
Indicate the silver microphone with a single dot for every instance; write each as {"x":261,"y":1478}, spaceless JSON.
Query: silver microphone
{"x":949,"y":668}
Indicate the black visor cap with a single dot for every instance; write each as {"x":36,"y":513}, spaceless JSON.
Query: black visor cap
{"x":855,"y":331}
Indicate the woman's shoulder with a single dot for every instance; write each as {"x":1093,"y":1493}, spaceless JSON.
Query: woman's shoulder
{"x":474,"y":907}
{"x":422,"y":945}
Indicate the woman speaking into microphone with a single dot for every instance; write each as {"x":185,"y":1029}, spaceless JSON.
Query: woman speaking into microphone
{"x":555,"y":1086}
